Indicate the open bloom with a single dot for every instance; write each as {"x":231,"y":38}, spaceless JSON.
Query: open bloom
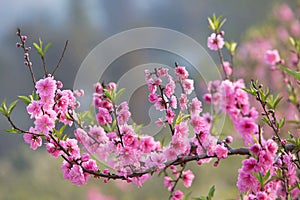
{"x":215,"y":42}
{"x":272,"y":57}
{"x":34,"y":140}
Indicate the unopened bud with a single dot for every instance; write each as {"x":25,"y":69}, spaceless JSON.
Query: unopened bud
{"x":216,"y":163}
{"x":229,"y":139}
{"x":24,"y":38}
{"x":222,"y":33}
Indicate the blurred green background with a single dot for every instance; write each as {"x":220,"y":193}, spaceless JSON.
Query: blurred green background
{"x":26,"y":174}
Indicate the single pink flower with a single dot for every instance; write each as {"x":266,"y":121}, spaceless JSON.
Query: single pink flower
{"x":34,"y":140}
{"x":187,"y":177}
{"x":215,"y":42}
{"x":227,"y":68}
{"x":181,"y":72}
{"x":34,"y":109}
{"x":188,"y":86}
{"x":46,"y":87}
{"x":168,"y":182}
{"x":178,"y":195}
{"x":44,"y":124}
{"x":221,"y":151}
{"x":272,"y":57}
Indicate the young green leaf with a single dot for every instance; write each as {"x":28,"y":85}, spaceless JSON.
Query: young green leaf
{"x":12,"y":106}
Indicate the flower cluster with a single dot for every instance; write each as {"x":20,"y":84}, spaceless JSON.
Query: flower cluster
{"x":258,"y":175}
{"x":270,"y":170}
{"x":233,"y":100}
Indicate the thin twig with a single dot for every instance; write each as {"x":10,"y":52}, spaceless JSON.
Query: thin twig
{"x":62,"y":55}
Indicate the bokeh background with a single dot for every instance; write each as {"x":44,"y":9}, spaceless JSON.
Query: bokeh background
{"x":26,"y":174}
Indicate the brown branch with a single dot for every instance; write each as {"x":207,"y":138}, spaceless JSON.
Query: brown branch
{"x":62,"y":55}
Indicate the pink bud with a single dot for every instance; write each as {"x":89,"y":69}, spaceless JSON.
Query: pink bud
{"x":24,"y":38}
{"x":216,"y":163}
{"x":106,"y":171}
{"x":229,"y":139}
{"x":59,"y":84}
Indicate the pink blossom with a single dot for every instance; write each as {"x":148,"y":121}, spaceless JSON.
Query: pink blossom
{"x":178,"y":195}
{"x":44,"y":124}
{"x":188,"y":86}
{"x":159,"y":105}
{"x":181,"y":129}
{"x":98,"y":133}
{"x":157,"y":160}
{"x":215,"y":42}
{"x":139,"y":181}
{"x":187,"y":177}
{"x":152,"y":88}
{"x":199,"y":124}
{"x":162,"y":72}
{"x":32,"y":139}
{"x":159,"y":122}
{"x":195,"y":106}
{"x":170,"y":153}
{"x":147,"y":144}
{"x":247,"y":181}
{"x":255,"y":149}
{"x":168,"y":182}
{"x":181,"y":72}
{"x":262,"y":196}
{"x":227,"y":68}
{"x":147,"y":74}
{"x":170,"y":115}
{"x":111,"y":86}
{"x":284,"y":12}
{"x":76,"y":176}
{"x":53,"y":148}
{"x":170,"y":88}
{"x":250,"y":165}
{"x":103,"y":116}
{"x":34,"y":109}
{"x":221,"y":151}
{"x":272,"y":57}
{"x":183,"y":101}
{"x":46,"y":87}
{"x":71,"y":146}
{"x":173,"y":102}
{"x":98,"y":88}
{"x":271,"y":146}
{"x":152,"y":98}
{"x":130,"y":140}
{"x":78,"y":93}
{"x":90,"y":165}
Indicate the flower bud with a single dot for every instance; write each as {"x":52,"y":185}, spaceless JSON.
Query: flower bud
{"x":24,"y":38}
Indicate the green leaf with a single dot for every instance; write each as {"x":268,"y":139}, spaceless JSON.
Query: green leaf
{"x":12,"y":106}
{"x":186,"y":197}
{"x":114,"y":124}
{"x":47,"y":47}
{"x":211,"y":192}
{"x":119,"y":94}
{"x":25,"y":99}
{"x":12,"y":130}
{"x":211,"y":24}
{"x":292,"y":41}
{"x":38,"y":48}
{"x":281,"y":123}
{"x":292,"y":72}
{"x":61,"y":130}
{"x":4,"y":108}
